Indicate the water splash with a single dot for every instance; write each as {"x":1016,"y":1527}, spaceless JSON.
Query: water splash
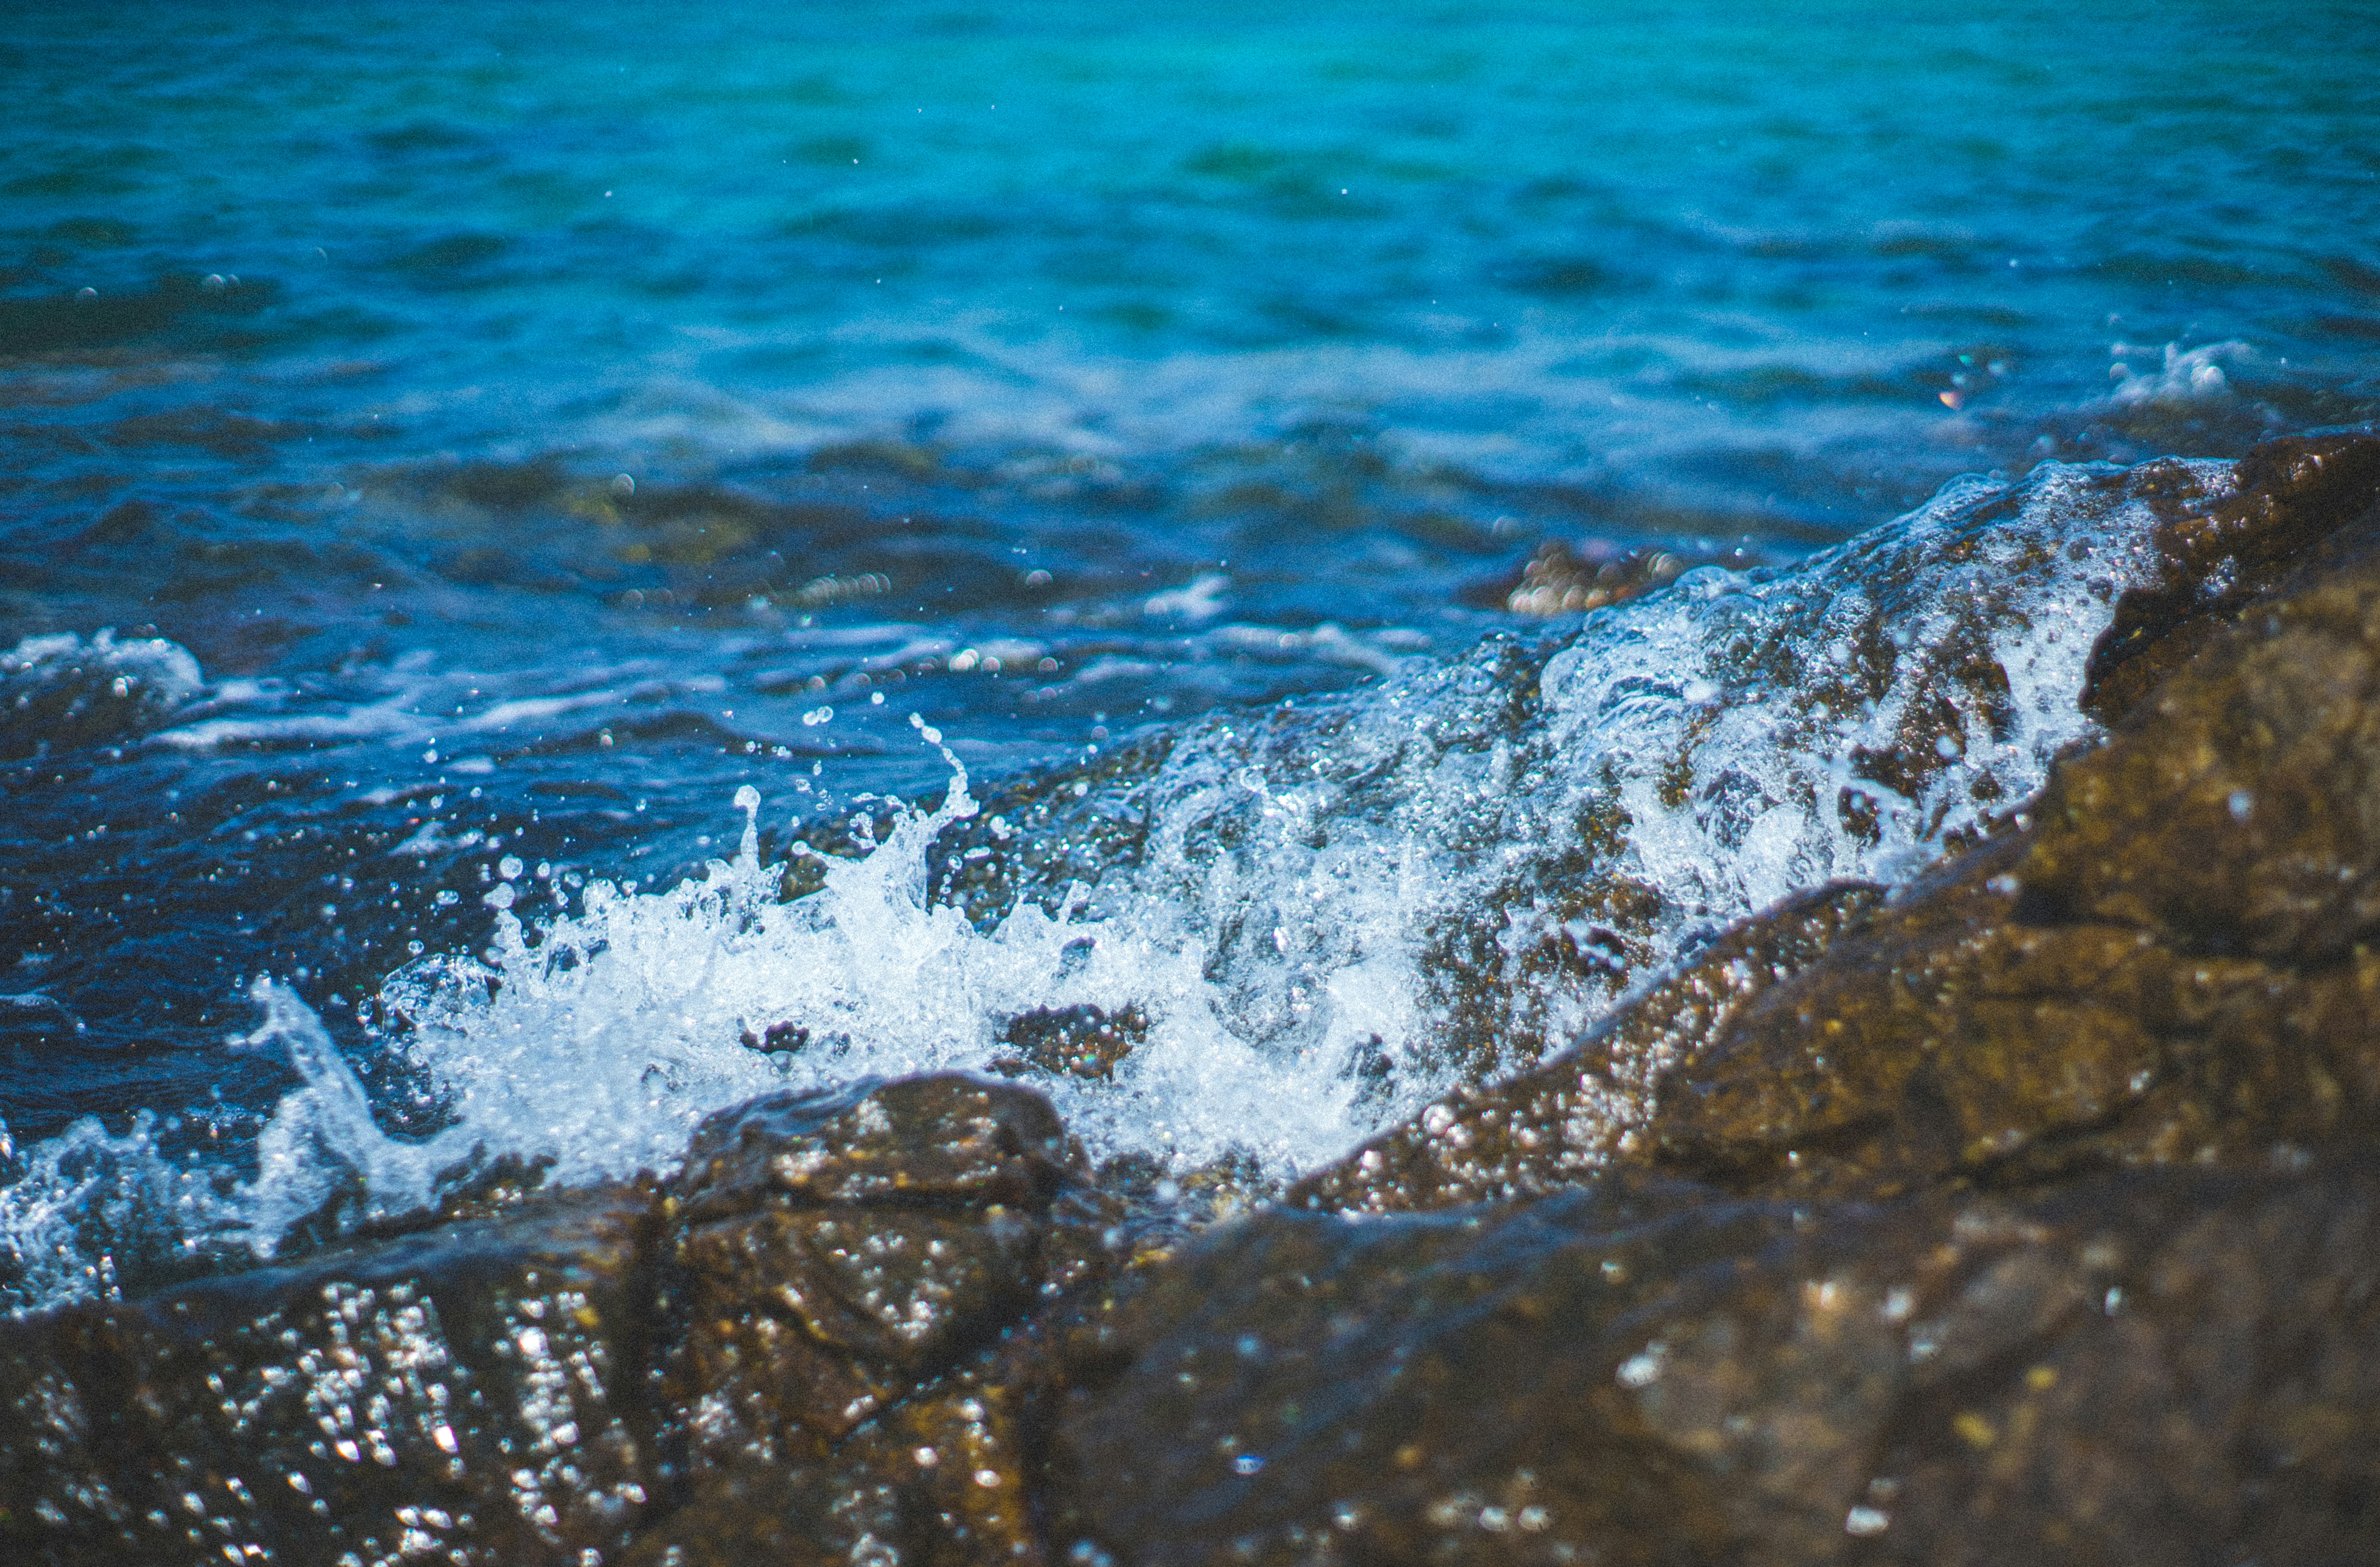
{"x":2181,"y":376}
{"x":601,"y":1044}
{"x":1329,"y":915}
{"x":1334,"y":912}
{"x":322,"y":1155}
{"x":90,"y":1207}
{"x":58,"y":692}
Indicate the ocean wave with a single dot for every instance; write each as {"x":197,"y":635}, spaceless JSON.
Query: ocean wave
{"x":1324,"y":916}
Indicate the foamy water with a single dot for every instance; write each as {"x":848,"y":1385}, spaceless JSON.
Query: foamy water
{"x":1293,"y":929}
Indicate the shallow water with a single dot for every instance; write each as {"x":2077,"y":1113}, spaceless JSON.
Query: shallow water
{"x":452,"y":450}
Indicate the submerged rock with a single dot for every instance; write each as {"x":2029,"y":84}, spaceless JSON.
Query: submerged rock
{"x":58,"y":692}
{"x":1562,"y":581}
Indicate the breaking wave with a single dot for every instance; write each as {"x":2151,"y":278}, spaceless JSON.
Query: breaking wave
{"x":1325,"y":916}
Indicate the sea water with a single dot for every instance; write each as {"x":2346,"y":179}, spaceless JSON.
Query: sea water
{"x":484,"y":483}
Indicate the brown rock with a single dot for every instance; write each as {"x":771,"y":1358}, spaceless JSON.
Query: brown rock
{"x":2222,"y":547}
{"x":834,"y":1251}
{"x":2031,"y":1213}
{"x":2164,"y":958}
{"x":1555,"y":1126}
{"x":945,"y":1140}
{"x":732,"y":1363}
{"x":943,"y":1478}
{"x":2238,"y":810}
{"x":469,"y":1394}
{"x":2170,"y":964}
{"x":2173,"y":1367}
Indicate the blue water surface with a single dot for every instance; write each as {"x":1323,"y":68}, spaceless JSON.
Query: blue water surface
{"x":537,"y":420}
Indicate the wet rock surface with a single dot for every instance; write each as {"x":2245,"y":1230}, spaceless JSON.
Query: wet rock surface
{"x":1557,"y":1124}
{"x":830,"y":1253}
{"x":471,"y":1393}
{"x":2166,"y":1366}
{"x":2224,"y":545}
{"x":580,"y":1372}
{"x":2028,"y":1211}
{"x":2170,"y":961}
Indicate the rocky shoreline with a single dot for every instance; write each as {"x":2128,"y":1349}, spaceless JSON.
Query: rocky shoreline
{"x":2030,"y":1211}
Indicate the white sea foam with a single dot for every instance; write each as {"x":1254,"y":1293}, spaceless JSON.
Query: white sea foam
{"x":601,"y":1045}
{"x":59,"y":686}
{"x":2177,"y":375}
{"x":1310,"y":892}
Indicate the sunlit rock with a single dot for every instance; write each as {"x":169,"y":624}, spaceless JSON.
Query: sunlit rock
{"x":829,"y":1252}
{"x":533,"y":1383}
{"x":472,"y":1393}
{"x":2161,"y":959}
{"x":2172,"y":963}
{"x":2220,"y":542}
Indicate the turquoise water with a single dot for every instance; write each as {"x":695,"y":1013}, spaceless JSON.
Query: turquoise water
{"x":512,"y":429}
{"x":1691,"y":267}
